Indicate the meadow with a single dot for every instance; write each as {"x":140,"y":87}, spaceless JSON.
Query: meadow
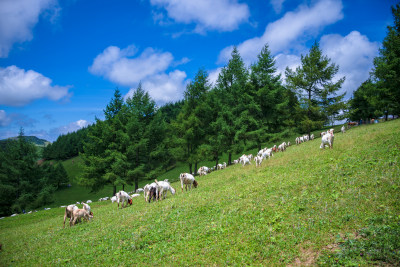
{"x":305,"y":206}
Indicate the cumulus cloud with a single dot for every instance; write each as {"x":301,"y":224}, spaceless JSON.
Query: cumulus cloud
{"x":281,"y":35}
{"x":213,"y":75}
{"x":19,"y":87}
{"x":120,"y":67}
{"x":17,"y":19}
{"x":163,"y":87}
{"x":284,"y":60}
{"x":221,"y":15}
{"x":277,"y":5}
{"x":354,"y":54}
{"x":125,"y":67}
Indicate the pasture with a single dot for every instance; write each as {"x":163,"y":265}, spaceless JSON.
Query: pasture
{"x":305,"y":206}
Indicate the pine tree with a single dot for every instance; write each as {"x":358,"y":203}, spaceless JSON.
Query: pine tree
{"x":387,"y":67}
{"x":237,"y":107}
{"x":312,"y":80}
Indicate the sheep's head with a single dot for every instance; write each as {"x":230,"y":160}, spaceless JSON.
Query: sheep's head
{"x":195,"y":184}
{"x":130,"y":201}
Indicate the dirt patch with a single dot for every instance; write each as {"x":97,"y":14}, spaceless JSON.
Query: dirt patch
{"x":307,"y":258}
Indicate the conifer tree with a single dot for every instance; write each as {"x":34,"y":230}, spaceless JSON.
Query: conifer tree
{"x":312,"y":80}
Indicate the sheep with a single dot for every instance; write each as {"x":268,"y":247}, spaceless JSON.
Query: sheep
{"x":267,"y":153}
{"x":89,"y":201}
{"x":343,"y":129}
{"x":78,"y":214}
{"x":68,"y":212}
{"x":165,"y":186}
{"x":281,"y":147}
{"x":220,"y":166}
{"x":187,"y":179}
{"x":258,"y":160}
{"x":135,"y":195}
{"x":246,"y":160}
{"x":327,"y":139}
{"x":147,"y":188}
{"x":288,"y":143}
{"x":203,"y":170}
{"x":152,"y":194}
{"x":122,"y":196}
{"x":87,"y":208}
{"x":139,"y":190}
{"x":235,"y":161}
{"x":113,"y":199}
{"x":312,"y":137}
{"x":250,"y":156}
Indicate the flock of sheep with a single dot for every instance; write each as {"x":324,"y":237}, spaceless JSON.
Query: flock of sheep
{"x":158,"y":189}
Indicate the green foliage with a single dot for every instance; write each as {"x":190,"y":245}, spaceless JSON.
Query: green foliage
{"x":387,"y":67}
{"x":307,"y":200}
{"x":313,"y":83}
{"x":24,"y":183}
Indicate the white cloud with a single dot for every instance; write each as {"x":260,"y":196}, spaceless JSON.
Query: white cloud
{"x":213,"y":75}
{"x":221,"y":15}
{"x":19,"y":87}
{"x":149,"y":68}
{"x":277,"y":5}
{"x":4,"y":119}
{"x":71,"y":127}
{"x":120,"y":67}
{"x":17,"y":19}
{"x":163,"y":87}
{"x":354,"y":54}
{"x":283,"y":35}
{"x":283,"y":60}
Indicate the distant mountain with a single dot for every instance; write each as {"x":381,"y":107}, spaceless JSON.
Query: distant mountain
{"x":31,"y":139}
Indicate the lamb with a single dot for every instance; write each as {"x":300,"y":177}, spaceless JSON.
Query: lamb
{"x":187,"y":179}
{"x":165,"y":186}
{"x":152,"y":194}
{"x":147,"y":189}
{"x":312,"y":137}
{"x":122,"y":196}
{"x":113,"y":199}
{"x":139,"y":190}
{"x":343,"y":129}
{"x":68,"y":212}
{"x":78,"y":214}
{"x":203,"y":170}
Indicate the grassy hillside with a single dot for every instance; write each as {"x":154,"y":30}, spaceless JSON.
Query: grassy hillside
{"x":77,"y":193}
{"x":303,"y":206}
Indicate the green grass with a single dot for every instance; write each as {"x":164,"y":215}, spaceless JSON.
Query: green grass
{"x":297,"y":208}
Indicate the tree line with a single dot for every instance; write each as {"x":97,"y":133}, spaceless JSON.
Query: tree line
{"x":379,"y":95}
{"x":247,"y":107}
{"x":25,"y":183}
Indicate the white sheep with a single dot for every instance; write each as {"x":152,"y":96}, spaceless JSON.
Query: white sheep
{"x":327,"y":139}
{"x":78,"y":214}
{"x":68,"y":212}
{"x":343,"y":129}
{"x":246,"y":160}
{"x":113,"y":199}
{"x":122,"y":196}
{"x":187,"y":179}
{"x":258,"y":160}
{"x":87,"y":208}
{"x":165,"y":186}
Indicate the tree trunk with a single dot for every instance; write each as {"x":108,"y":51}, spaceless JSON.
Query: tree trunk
{"x":123,"y":187}
{"x":230,"y":158}
{"x":136,"y":183}
{"x":190,"y":168}
{"x":114,"y":190}
{"x":216,"y":164}
{"x":195,"y":168}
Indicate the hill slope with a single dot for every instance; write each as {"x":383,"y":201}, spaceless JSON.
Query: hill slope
{"x":297,"y":207}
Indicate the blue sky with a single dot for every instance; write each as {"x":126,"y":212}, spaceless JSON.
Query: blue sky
{"x":61,"y":60}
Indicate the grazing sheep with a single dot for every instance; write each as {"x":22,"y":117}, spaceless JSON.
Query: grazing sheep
{"x":139,"y":190}
{"x":312,"y":137}
{"x":113,"y":199}
{"x":152,"y":194}
{"x":78,"y":214}
{"x":68,"y":213}
{"x":187,"y":179}
{"x":343,"y":129}
{"x":87,"y":208}
{"x":147,"y":188}
{"x":165,"y":186}
{"x":122,"y":196}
